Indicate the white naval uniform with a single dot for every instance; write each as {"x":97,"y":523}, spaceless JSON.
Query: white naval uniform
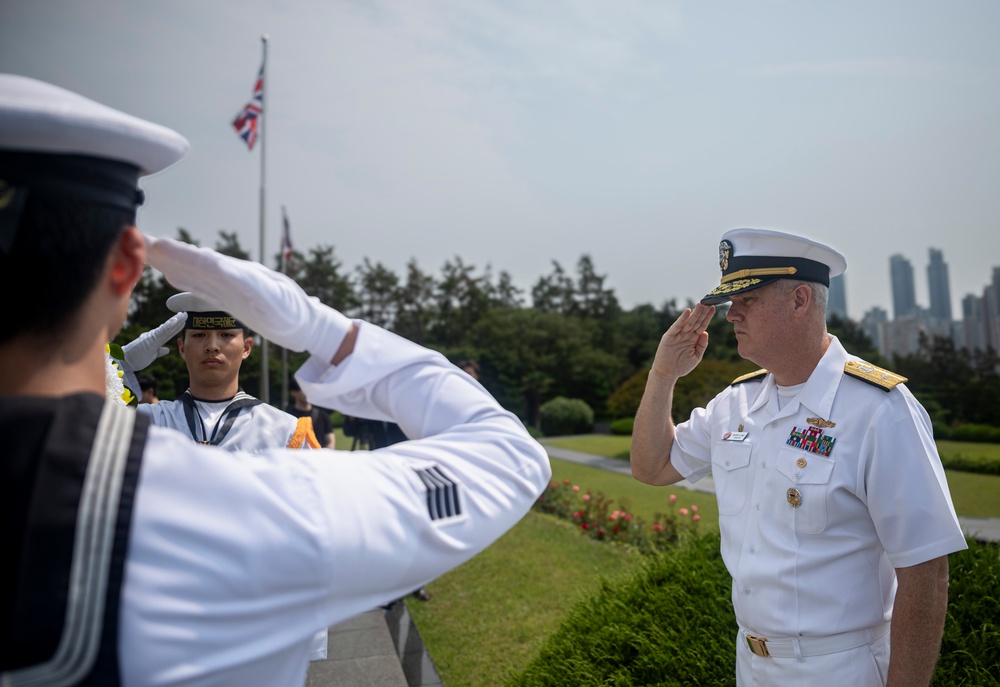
{"x":236,"y":560}
{"x":878,"y":501}
{"x":254,"y":430}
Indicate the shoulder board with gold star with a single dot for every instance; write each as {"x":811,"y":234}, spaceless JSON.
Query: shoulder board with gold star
{"x":749,"y":377}
{"x":876,"y":376}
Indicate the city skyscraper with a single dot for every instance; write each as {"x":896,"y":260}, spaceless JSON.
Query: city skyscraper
{"x":938,"y":286}
{"x":838,"y":298}
{"x":904,"y":296}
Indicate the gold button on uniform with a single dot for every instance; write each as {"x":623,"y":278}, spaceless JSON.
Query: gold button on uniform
{"x":801,"y":462}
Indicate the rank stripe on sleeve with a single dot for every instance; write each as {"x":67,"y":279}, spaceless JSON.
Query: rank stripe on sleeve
{"x":442,"y":494}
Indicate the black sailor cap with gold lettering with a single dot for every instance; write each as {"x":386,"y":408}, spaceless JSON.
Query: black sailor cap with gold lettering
{"x":202,"y":313}
{"x":752,"y":258}
{"x":56,"y":143}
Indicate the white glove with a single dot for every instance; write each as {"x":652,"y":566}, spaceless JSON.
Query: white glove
{"x":141,"y":353}
{"x":268,"y":302}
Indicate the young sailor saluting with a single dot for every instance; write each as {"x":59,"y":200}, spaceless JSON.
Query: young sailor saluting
{"x":214,"y":409}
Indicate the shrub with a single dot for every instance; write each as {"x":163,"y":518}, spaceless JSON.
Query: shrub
{"x":692,"y":391}
{"x":970,"y":647}
{"x":623,"y":426}
{"x":566,"y":416}
{"x":671,"y":623}
{"x":337,"y":418}
{"x":625,"y":399}
{"x":982,"y":465}
{"x":984,"y":434}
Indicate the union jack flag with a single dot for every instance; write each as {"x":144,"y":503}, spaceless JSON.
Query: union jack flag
{"x":246,"y":121}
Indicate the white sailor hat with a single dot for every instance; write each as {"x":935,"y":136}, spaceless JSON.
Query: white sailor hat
{"x":752,"y":258}
{"x":55,"y":142}
{"x":202,"y":313}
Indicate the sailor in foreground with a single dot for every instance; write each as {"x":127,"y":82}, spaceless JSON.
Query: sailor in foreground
{"x":214,"y":409}
{"x":139,"y":557}
{"x":834,"y":510}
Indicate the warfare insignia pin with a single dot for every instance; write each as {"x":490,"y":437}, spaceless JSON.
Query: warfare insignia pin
{"x":725,"y":252}
{"x":794,"y":498}
{"x":820,"y":422}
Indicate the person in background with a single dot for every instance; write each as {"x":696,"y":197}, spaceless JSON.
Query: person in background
{"x":835,"y":513}
{"x":147,"y":384}
{"x":138,"y":557}
{"x":470,"y":367}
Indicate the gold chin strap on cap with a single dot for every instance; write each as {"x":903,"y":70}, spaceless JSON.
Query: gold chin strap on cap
{"x":760,"y":272}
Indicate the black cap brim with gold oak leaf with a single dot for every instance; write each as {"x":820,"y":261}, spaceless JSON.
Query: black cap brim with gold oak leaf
{"x":752,"y":258}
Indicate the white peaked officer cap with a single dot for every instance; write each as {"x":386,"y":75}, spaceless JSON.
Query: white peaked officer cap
{"x":38,"y":117}
{"x":56,"y":143}
{"x":752,"y":258}
{"x":202,"y":313}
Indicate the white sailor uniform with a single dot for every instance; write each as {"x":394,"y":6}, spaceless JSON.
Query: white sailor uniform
{"x":242,"y":423}
{"x":236,"y":560}
{"x":819,"y":501}
{"x":193,"y":565}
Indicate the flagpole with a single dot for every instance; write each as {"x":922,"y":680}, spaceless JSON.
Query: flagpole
{"x":284,"y":351}
{"x":265,"y":391}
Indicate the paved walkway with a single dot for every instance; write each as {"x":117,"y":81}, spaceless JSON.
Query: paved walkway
{"x":380,"y":648}
{"x":383,"y":648}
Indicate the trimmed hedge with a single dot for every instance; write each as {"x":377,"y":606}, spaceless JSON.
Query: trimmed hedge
{"x":562,"y":416}
{"x":623,"y":426}
{"x":671,"y":624}
{"x":970,"y":647}
{"x":984,"y":434}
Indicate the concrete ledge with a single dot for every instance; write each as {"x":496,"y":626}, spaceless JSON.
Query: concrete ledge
{"x":360,"y":653}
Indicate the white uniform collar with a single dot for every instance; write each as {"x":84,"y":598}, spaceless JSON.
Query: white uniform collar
{"x":819,"y":391}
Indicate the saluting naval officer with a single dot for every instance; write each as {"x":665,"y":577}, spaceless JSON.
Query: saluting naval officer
{"x":835,"y":514}
{"x":214,"y":409}
{"x":136,"y":556}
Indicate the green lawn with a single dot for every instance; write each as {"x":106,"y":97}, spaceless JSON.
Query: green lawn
{"x":491,"y":615}
{"x":974,"y":495}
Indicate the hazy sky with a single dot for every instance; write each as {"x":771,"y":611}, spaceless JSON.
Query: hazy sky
{"x":517,"y":132}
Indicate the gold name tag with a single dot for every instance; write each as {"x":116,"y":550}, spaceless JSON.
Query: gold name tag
{"x":198,"y":322}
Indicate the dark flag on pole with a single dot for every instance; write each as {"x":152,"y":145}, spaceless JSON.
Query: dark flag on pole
{"x":286,"y":238}
{"x":246,"y":121}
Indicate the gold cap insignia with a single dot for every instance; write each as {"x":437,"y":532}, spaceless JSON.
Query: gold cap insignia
{"x":725,"y":252}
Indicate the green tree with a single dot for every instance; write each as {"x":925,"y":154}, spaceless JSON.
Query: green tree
{"x":415,"y":306}
{"x":377,"y":286}
{"x":321,"y":275}
{"x":554,"y":292}
{"x":504,"y":294}
{"x":528,"y":357}
{"x":462,"y":298}
{"x":229,"y":244}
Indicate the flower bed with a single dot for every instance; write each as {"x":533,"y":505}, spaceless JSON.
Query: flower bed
{"x":597,"y":517}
